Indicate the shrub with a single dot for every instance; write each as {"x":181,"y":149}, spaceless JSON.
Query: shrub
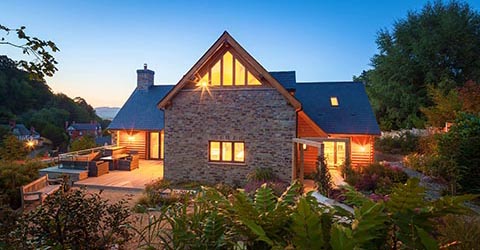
{"x":460,"y":232}
{"x":323,"y":178}
{"x":13,"y":176}
{"x":404,"y":144}
{"x":161,"y":193}
{"x":459,"y":150}
{"x":12,"y":149}
{"x":261,"y":174}
{"x":74,"y":220}
{"x":8,"y":223}
{"x":84,"y":142}
{"x":294,"y":221}
{"x":376,"y":178}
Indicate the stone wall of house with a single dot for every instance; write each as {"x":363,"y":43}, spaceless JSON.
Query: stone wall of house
{"x":261,"y":117}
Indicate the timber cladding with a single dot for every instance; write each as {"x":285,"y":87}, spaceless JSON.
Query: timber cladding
{"x":260,"y":117}
{"x":133,"y":141}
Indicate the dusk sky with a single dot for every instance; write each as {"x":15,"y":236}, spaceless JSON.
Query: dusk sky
{"x":103,"y":43}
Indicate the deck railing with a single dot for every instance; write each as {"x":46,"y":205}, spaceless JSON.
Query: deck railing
{"x":71,"y":155}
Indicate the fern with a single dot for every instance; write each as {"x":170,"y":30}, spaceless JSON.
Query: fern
{"x":265,"y":199}
{"x":368,"y":228}
{"x":288,"y":197}
{"x":341,"y":238}
{"x":307,"y":227}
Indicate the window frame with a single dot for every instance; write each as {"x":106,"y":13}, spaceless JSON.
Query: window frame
{"x":221,"y":151}
{"x":235,"y":59}
{"x":334,"y":101}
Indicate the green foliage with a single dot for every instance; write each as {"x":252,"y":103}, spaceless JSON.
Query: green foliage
{"x":323,"y":179}
{"x":84,"y":142}
{"x":74,"y":220}
{"x":43,"y":63}
{"x":460,"y":232}
{"x":418,"y":51}
{"x":307,"y":226}
{"x":404,"y":144}
{"x":13,"y":176}
{"x":261,"y":174}
{"x":377,"y":178}
{"x":460,"y":149}
{"x":445,"y":106}
{"x":12,"y":149}
{"x":30,"y":101}
{"x":292,"y":221}
{"x":8,"y":223}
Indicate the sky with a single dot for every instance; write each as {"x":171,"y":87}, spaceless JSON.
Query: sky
{"x":102,"y":43}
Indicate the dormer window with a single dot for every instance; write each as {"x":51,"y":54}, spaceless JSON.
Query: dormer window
{"x":228,"y":71}
{"x":334,"y":101}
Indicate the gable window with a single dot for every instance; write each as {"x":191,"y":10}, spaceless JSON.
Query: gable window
{"x":226,"y":151}
{"x":334,"y":101}
{"x":228,"y":71}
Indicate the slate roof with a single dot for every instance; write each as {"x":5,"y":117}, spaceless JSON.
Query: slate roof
{"x":353,"y":115}
{"x":84,"y":126}
{"x":140,"y":112}
{"x":286,"y":78}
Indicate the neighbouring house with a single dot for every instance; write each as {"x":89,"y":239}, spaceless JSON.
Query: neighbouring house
{"x":228,"y":116}
{"x":30,"y":136}
{"x":77,"y":130}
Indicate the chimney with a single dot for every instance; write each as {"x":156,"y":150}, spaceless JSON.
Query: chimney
{"x":144,"y":78}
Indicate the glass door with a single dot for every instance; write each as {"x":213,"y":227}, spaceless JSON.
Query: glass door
{"x":154,"y":145}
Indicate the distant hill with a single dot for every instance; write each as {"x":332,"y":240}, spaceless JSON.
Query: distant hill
{"x":107,"y":113}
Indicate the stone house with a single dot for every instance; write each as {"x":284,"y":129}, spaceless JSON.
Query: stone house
{"x":228,"y":115}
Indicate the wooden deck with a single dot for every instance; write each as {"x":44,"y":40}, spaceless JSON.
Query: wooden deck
{"x":135,"y":179}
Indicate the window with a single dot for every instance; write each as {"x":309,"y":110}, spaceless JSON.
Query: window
{"x":226,"y":151}
{"x":334,"y":101}
{"x":228,"y":71}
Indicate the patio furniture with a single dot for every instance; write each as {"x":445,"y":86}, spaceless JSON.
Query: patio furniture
{"x":97,"y":168}
{"x":113,"y":160}
{"x":39,"y":189}
{"x":129,"y":163}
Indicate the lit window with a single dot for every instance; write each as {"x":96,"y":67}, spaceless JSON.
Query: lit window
{"x":334,"y":101}
{"x":239,"y":151}
{"x":226,"y":151}
{"x":214,"y":151}
{"x":228,"y":71}
{"x":215,"y":75}
{"x":252,"y":80}
{"x":239,"y":73}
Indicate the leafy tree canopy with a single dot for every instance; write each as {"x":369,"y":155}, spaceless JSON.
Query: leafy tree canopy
{"x":43,"y":63}
{"x":439,"y":46}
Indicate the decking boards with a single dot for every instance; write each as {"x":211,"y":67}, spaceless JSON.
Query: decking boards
{"x":135,"y":179}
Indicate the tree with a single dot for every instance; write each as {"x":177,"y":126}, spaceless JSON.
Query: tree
{"x":445,"y":107}
{"x":470,"y":97}
{"x":43,"y":63}
{"x":84,"y":142}
{"x":12,"y":149}
{"x":438,"y":46}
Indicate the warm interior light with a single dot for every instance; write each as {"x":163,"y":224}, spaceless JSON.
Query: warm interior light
{"x":30,"y":144}
{"x":362,"y":148}
{"x":204,"y":84}
{"x":334,"y":101}
{"x":131,"y":138}
{"x":304,"y":146}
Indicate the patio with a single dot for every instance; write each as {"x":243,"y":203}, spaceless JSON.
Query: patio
{"x":135,"y":179}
